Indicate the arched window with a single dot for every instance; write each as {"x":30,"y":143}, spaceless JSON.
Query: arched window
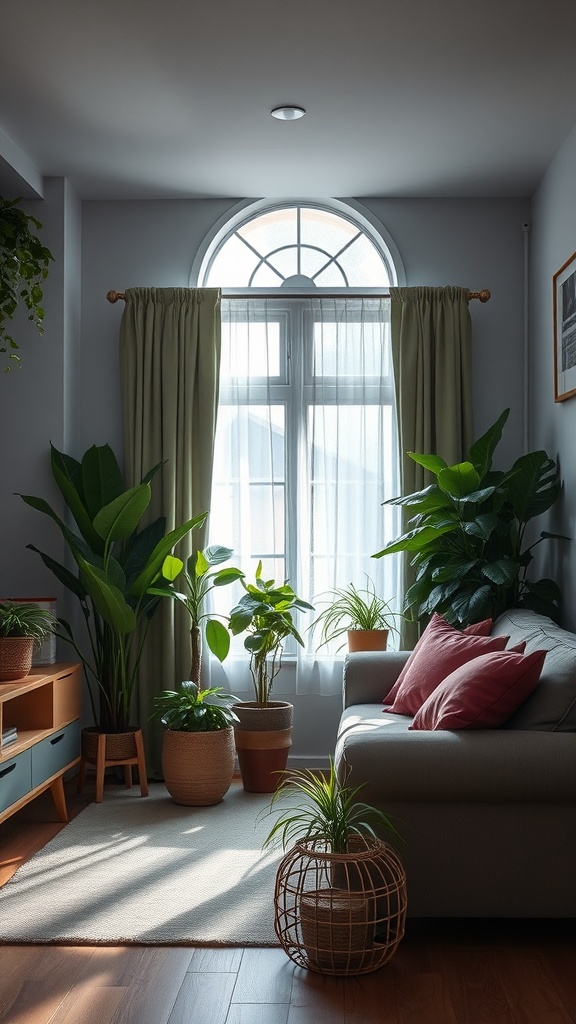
{"x":306,"y":446}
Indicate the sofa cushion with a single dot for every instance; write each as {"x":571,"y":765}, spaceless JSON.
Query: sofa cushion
{"x":483,"y":693}
{"x":552,"y":705}
{"x":439,"y":651}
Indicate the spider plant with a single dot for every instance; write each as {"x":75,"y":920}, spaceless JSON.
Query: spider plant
{"x":351,"y":607}
{"x":330,"y":811}
{"x":25,"y":619}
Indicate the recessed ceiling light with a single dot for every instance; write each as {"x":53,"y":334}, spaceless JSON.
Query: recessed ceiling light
{"x":288,"y":113}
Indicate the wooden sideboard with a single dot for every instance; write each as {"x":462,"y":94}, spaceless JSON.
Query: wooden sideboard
{"x":45,"y":710}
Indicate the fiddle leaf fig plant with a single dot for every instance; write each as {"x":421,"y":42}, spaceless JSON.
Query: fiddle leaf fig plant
{"x":467,"y":534}
{"x":24,"y":263}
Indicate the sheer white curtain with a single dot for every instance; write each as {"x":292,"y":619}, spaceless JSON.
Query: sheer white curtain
{"x":306,"y":453}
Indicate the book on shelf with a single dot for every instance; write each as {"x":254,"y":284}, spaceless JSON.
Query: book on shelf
{"x":9,"y":735}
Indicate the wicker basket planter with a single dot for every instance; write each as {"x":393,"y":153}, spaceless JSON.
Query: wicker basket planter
{"x":340,"y":913}
{"x":15,"y":657}
{"x":198,"y":766}
{"x":263,"y":740}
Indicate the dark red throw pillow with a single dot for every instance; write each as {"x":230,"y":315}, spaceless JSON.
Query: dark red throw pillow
{"x":483,"y":693}
{"x":439,"y":651}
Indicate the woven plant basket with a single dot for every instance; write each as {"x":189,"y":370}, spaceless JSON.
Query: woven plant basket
{"x":119,"y":745}
{"x":15,"y":657}
{"x":352,"y":927}
{"x":198,"y":766}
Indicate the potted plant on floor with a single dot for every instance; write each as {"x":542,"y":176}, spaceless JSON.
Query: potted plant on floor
{"x":117,"y":567}
{"x":198,"y":745}
{"x":340,"y":894}
{"x":360,"y":615}
{"x":467,"y":535}
{"x":24,"y":263}
{"x":22,"y":625}
{"x":264,"y":732}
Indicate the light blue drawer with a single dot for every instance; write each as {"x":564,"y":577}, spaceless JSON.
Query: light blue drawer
{"x":15,"y":779}
{"x":54,"y":753}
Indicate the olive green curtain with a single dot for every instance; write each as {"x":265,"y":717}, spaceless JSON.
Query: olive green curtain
{"x":431,"y":334}
{"x":170,"y":366}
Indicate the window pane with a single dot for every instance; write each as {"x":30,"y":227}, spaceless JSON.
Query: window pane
{"x":311,"y":260}
{"x":363,"y":265}
{"x":232,"y":265}
{"x":285,"y":261}
{"x":330,"y":232}
{"x":351,"y":350}
{"x":267,"y":519}
{"x":332,"y":277}
{"x":250,"y":350}
{"x":271,"y":230}
{"x":265,"y":277}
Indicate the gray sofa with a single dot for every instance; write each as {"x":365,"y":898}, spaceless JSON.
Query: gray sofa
{"x":488,"y":816}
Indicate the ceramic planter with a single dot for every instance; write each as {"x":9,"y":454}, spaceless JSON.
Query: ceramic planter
{"x":263,"y":740}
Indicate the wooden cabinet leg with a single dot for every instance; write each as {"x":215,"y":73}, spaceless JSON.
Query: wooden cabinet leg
{"x":59,"y":798}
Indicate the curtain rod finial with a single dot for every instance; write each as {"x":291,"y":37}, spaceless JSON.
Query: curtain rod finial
{"x":113,"y":296}
{"x":484,"y":295}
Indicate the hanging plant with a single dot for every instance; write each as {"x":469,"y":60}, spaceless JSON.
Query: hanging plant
{"x":24,"y":265}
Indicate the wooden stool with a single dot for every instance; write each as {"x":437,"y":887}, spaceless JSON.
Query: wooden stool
{"x":102,"y":763}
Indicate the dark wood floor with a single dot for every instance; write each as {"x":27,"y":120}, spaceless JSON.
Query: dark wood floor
{"x":445,"y":972}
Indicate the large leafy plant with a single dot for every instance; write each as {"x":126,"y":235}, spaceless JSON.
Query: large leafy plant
{"x":117,"y":567}
{"x":191,"y":709}
{"x":265,"y":613}
{"x":467,"y":535}
{"x":199,"y":581}
{"x":24,"y":263}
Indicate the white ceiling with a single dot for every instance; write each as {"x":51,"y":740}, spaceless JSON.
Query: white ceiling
{"x":141,"y":99}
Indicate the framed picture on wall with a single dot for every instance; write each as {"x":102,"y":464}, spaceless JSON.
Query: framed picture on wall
{"x":564,"y":296}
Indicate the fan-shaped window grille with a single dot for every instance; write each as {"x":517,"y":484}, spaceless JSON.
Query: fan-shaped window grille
{"x":298,"y":246}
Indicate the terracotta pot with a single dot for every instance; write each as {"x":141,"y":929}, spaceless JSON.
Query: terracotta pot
{"x":263,"y":740}
{"x":367,"y":639}
{"x":15,"y":657}
{"x":198,"y":766}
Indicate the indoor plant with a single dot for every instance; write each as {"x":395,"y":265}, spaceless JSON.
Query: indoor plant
{"x":198,"y":745}
{"x":22,"y":624}
{"x":265,"y":613}
{"x":117,"y":566}
{"x":24,"y":265}
{"x":467,"y":534}
{"x":198,"y":582}
{"x":358,"y":613}
{"x":340,"y":895}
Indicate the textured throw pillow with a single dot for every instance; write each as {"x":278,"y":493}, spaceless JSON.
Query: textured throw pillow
{"x":439,"y":651}
{"x":483,"y":693}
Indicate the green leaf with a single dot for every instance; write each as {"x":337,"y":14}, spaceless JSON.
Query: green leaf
{"x":415,"y":540}
{"x":62,"y":574}
{"x":108,"y":599}
{"x":202,"y":565}
{"x":459,"y":480}
{"x":172,"y":567}
{"x":431,"y":462}
{"x":482,"y":451}
{"x":217,"y":638}
{"x":453,"y":569}
{"x":503,"y":572}
{"x":533,"y":486}
{"x":439,"y":597}
{"x":215,"y":554}
{"x":225,"y":576}
{"x":101,"y":478}
{"x":67,"y":473}
{"x":473,"y":606}
{"x":119,"y":519}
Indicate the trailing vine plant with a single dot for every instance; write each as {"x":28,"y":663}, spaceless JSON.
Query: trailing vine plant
{"x":24,"y":263}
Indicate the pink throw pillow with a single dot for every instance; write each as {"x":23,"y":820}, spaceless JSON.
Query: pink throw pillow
{"x":439,"y":651}
{"x":483,"y":693}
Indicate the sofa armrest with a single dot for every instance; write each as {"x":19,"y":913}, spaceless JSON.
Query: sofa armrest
{"x":370,"y":675}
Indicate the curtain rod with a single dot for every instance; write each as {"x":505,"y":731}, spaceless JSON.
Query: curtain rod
{"x":483,"y":295}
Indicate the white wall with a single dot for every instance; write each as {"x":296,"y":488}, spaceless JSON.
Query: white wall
{"x":68,"y":389}
{"x":553,"y":425}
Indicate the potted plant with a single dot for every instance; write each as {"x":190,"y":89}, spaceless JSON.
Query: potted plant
{"x":22,"y":625}
{"x":264,"y":732}
{"x":198,"y":745}
{"x":24,"y":265}
{"x":117,"y":567}
{"x":467,"y":535}
{"x":340,"y":894}
{"x":358,"y":613}
{"x":199,"y":581}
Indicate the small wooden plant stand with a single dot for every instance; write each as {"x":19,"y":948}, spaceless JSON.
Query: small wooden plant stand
{"x":100,"y":751}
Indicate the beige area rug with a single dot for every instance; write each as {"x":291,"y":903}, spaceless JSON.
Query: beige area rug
{"x":144,"y":870}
